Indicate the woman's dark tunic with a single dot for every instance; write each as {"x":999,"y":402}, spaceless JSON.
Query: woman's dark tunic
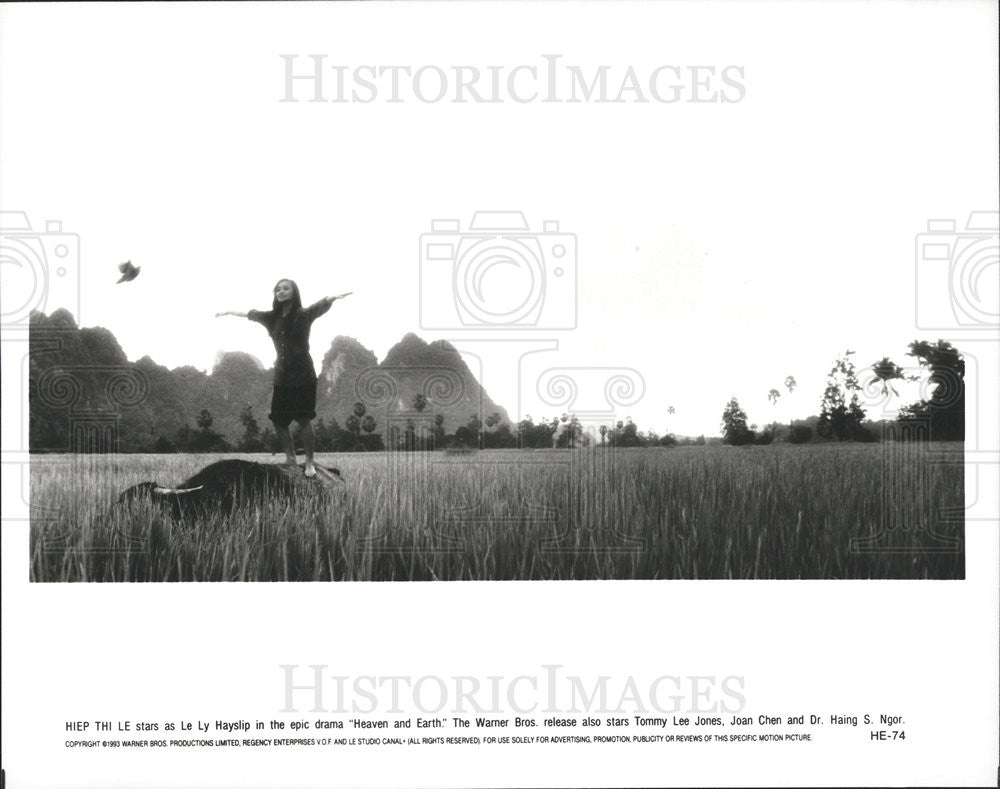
{"x":294,"y":365}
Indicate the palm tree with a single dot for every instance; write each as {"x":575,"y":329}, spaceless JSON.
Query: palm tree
{"x":670,"y":412}
{"x":790,"y":384}
{"x":774,"y":396}
{"x":885,"y":371}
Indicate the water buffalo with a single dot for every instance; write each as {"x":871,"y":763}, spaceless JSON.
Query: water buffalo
{"x":230,"y":484}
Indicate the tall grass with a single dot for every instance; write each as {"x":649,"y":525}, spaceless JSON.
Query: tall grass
{"x":687,"y":513}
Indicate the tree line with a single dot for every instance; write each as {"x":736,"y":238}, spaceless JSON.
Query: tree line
{"x":841,"y":418}
{"x":417,"y":431}
{"x":85,"y":396}
{"x":940,"y":417}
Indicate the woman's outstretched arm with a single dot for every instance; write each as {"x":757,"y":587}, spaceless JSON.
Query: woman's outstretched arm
{"x":323,"y":305}
{"x":231,"y":312}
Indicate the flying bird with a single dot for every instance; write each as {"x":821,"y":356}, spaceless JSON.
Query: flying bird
{"x":129,"y":272}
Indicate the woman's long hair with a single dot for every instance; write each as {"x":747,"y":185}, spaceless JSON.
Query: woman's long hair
{"x":296,"y":298}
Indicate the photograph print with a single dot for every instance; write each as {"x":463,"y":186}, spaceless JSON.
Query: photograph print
{"x":561,"y":319}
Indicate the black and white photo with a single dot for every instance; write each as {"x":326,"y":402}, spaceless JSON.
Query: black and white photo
{"x":499,"y":394}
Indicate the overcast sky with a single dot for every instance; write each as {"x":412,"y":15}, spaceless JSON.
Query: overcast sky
{"x":717,"y":246}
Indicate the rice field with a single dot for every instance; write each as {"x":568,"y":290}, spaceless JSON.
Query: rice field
{"x":781,"y":511}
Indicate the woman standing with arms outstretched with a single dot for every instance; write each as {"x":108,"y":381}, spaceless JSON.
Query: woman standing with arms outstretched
{"x":294,"y":398}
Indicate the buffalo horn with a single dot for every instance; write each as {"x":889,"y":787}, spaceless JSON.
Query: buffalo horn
{"x":158,"y":491}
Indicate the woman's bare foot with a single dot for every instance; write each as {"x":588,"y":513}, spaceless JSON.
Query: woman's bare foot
{"x":310,"y":469}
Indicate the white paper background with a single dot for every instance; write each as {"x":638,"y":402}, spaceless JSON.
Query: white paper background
{"x":156,"y":133}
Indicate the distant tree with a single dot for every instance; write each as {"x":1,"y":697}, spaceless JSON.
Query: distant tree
{"x":841,"y":413}
{"x":438,"y":430}
{"x":501,"y":438}
{"x":774,"y":396}
{"x":340,"y":439}
{"x":764,"y":437}
{"x":628,"y":434}
{"x":353,"y":424}
{"x":734,"y":424}
{"x":800,"y":434}
{"x":945,"y":410}
{"x":604,"y":432}
{"x":670,"y":412}
{"x":473,"y":427}
{"x":888,"y":371}
{"x":324,"y":441}
{"x":251,"y":431}
{"x":270,"y":441}
{"x":394,"y":439}
{"x":571,"y":430}
{"x":790,"y":384}
{"x":202,"y":440}
{"x":164,"y":445}
{"x":535,"y":436}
